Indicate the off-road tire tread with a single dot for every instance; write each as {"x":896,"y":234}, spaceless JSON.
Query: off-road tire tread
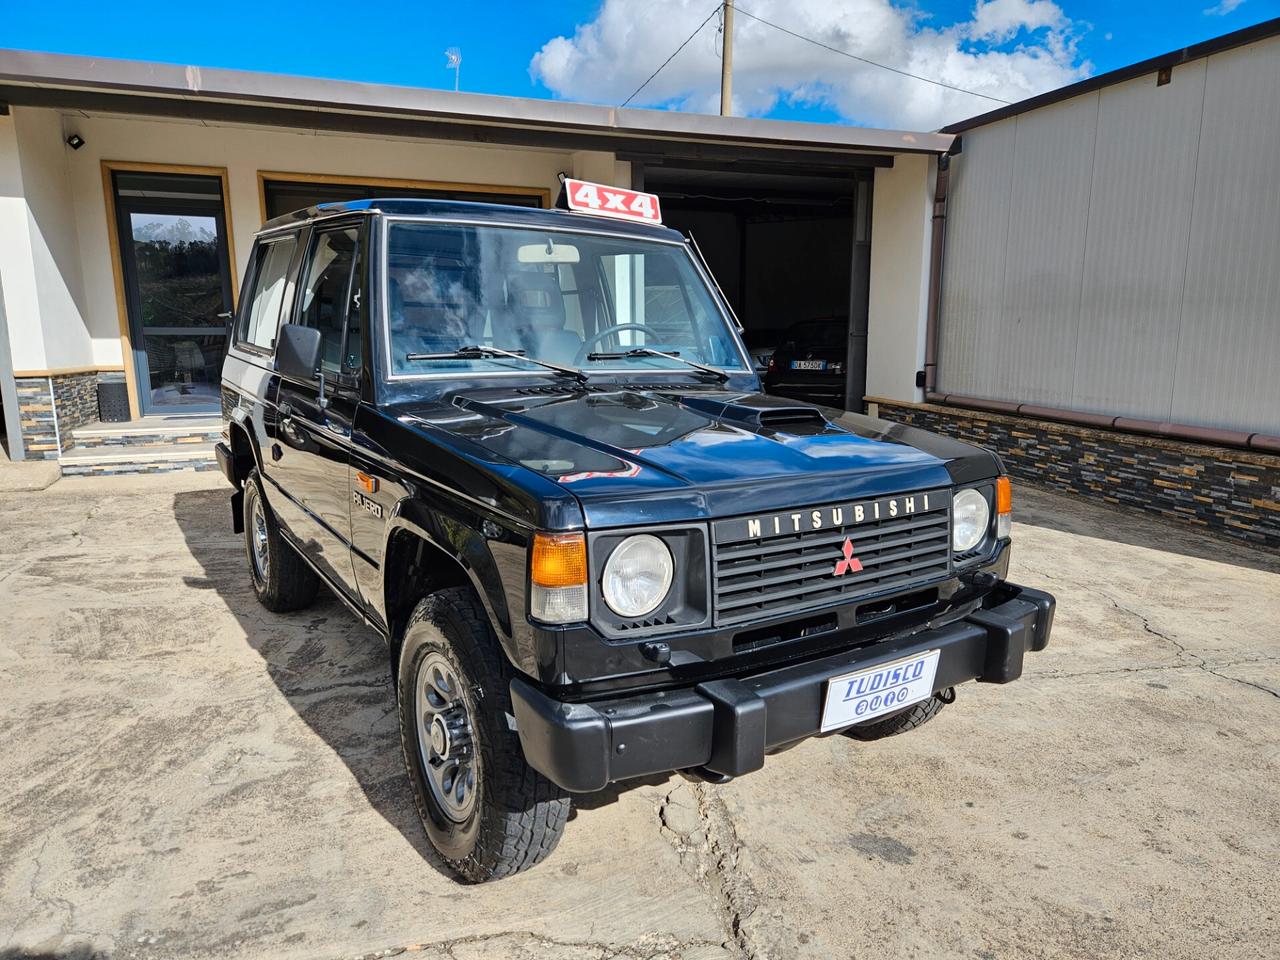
{"x":524,"y":813}
{"x":292,"y":584}
{"x":911,"y":718}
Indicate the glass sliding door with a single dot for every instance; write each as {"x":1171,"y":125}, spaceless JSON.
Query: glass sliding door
{"x":177,"y":277}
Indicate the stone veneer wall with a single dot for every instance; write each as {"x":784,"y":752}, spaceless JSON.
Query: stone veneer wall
{"x":35,"y":418}
{"x":70,"y":398}
{"x":1232,"y":492}
{"x":75,"y":398}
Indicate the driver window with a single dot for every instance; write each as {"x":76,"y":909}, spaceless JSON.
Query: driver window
{"x":325,"y":294}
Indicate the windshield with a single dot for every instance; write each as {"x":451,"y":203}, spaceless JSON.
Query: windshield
{"x":571,"y":299}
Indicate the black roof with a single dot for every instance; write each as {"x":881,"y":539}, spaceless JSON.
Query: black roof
{"x":1238,"y":38}
{"x":477,"y":212}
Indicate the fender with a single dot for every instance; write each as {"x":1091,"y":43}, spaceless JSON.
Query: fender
{"x":240,"y":419}
{"x":480,"y":561}
{"x":240,"y":436}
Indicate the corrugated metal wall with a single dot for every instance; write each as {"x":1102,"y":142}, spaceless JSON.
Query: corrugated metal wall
{"x":1120,"y":252}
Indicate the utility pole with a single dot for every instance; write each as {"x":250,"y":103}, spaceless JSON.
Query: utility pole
{"x":726,"y":62}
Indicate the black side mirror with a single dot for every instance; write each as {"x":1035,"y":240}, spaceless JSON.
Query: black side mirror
{"x":298,"y":351}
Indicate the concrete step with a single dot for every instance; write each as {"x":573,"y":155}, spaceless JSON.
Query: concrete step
{"x":116,"y":459}
{"x":149,"y":431}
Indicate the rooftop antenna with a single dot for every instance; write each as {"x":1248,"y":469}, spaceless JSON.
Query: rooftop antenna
{"x":453,"y":61}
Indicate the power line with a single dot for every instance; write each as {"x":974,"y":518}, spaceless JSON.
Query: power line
{"x":852,"y":56}
{"x":673,"y":55}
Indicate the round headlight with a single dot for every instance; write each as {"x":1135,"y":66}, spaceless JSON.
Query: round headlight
{"x":637,"y":576}
{"x":970,"y":515}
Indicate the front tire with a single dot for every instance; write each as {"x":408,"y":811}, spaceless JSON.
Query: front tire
{"x":282,"y":580}
{"x":914,"y":716}
{"x":485,"y":810}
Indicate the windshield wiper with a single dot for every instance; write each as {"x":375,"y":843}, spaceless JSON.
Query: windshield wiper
{"x":482,"y":353}
{"x":649,"y":352}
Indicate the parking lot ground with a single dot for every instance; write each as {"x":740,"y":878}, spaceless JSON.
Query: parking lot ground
{"x":186,"y":775}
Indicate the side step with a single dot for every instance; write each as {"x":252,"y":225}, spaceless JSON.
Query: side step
{"x":115,"y":459}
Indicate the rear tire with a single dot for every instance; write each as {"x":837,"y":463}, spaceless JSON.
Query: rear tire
{"x":485,"y":810}
{"x":909,"y":719}
{"x":282,"y":580}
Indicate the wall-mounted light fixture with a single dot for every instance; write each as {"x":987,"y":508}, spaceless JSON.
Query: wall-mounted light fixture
{"x":75,"y":141}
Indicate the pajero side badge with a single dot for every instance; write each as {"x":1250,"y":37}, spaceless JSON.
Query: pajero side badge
{"x":366,"y":503}
{"x":600,"y":200}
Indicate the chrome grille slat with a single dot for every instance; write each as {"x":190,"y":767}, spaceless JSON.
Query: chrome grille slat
{"x":818,"y":568}
{"x":793,"y":572}
{"x":738,"y":601}
{"x":801,"y":556}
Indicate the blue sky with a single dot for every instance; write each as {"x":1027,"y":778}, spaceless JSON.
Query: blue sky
{"x":403,"y":43}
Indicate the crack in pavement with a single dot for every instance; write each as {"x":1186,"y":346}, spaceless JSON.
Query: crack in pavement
{"x":1196,"y":660}
{"x":1146,"y":668}
{"x":663,"y":946}
{"x":708,"y":833}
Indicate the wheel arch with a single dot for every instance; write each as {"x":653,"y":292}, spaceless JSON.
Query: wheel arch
{"x":244,"y":449}
{"x":419,"y":560}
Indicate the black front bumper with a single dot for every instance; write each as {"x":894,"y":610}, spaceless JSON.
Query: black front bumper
{"x":727,"y":726}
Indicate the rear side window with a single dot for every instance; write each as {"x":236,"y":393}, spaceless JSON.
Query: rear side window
{"x":261,"y":321}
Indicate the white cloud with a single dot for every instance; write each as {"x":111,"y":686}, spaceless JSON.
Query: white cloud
{"x":1001,"y":20}
{"x":1223,"y":8}
{"x":1009,"y":49}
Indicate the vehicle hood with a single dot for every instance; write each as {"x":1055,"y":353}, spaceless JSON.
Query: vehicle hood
{"x":659,"y":454}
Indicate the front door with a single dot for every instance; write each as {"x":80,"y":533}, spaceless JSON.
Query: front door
{"x":177,"y":276}
{"x":312,"y":464}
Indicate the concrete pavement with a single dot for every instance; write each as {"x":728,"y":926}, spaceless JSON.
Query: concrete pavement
{"x":187,"y":775}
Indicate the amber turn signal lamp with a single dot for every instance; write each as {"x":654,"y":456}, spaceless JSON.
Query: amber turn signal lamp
{"x":1004,"y":508}
{"x":1004,"y":496}
{"x":559,"y":560}
{"x":558,"y":575}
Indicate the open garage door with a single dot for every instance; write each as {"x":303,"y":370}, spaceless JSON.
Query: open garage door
{"x":790,"y":245}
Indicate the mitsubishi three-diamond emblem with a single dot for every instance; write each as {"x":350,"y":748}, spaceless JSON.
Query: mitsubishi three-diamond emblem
{"x":850,"y":563}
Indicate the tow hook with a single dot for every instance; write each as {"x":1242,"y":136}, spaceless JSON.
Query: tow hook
{"x":947,"y":696}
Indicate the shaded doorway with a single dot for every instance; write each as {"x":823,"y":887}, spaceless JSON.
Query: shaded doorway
{"x":790,"y":245}
{"x":176,"y":273}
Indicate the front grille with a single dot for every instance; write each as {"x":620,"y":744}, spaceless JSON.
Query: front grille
{"x":771,"y":565}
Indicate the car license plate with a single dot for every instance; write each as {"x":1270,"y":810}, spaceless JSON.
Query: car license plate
{"x":808,"y":364}
{"x":855,"y":697}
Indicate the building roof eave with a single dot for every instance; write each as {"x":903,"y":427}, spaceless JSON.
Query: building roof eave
{"x":143,"y":87}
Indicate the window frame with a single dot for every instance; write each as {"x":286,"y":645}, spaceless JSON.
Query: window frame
{"x":347,"y":376}
{"x":249,"y":295}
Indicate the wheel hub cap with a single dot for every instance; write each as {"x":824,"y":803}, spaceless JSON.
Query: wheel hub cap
{"x":258,"y":540}
{"x":449,"y":761}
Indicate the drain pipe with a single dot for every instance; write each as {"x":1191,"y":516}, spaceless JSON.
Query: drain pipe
{"x":936,"y":243}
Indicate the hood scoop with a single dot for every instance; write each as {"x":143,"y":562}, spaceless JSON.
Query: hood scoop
{"x":760,"y":412}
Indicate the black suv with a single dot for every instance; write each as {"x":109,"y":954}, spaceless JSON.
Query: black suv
{"x":529,"y":450}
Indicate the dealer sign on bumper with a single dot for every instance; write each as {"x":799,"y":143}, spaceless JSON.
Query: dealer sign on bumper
{"x":889,"y":687}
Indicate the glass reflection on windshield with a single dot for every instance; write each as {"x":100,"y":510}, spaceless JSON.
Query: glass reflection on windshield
{"x":576,"y":300}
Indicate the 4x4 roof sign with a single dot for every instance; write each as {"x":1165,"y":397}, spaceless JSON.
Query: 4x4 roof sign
{"x":601,"y":200}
